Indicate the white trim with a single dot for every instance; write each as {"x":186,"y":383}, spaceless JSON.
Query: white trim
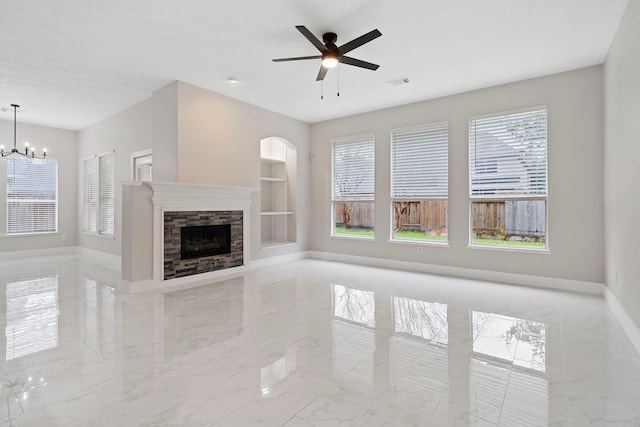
{"x":184,"y":282}
{"x":468,"y":273}
{"x":31,"y":254}
{"x":628,"y":325}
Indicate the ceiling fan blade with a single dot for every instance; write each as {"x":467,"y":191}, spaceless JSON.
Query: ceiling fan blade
{"x":313,"y":39}
{"x":322,"y":73}
{"x":358,"y":63}
{"x":349,"y":46}
{"x":297,"y":58}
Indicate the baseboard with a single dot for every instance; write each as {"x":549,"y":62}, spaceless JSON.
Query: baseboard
{"x":265,"y":262}
{"x":467,"y":273}
{"x":30,"y":254}
{"x":629,"y":326}
{"x":111,"y":261}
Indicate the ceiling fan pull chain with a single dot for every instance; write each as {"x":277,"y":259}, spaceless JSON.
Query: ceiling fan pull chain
{"x":338,"y":75}
{"x":321,"y":89}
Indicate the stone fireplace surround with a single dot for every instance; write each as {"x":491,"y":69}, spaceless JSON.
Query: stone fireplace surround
{"x":143,"y":229}
{"x":175,"y":266}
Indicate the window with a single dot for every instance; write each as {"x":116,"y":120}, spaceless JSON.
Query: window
{"x":99,"y":194}
{"x":32,"y":195}
{"x":508,"y":179}
{"x":419,"y":182}
{"x":142,"y":167}
{"x":352,"y":196}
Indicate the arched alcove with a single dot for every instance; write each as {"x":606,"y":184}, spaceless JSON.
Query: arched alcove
{"x":278,"y":159}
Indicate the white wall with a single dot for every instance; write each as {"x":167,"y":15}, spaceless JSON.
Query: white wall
{"x":61,"y":145}
{"x":575,"y":145}
{"x":198,"y":137}
{"x":622,"y":163}
{"x":219,"y":144}
{"x":126,"y":132}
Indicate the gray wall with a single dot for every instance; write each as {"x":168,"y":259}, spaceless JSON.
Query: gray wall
{"x":575,"y":143}
{"x":622,"y":163}
{"x":61,"y":145}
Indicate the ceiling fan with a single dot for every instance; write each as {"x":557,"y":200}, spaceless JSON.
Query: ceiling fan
{"x":332,"y":54}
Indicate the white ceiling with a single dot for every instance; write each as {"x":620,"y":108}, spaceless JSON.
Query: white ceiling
{"x":72,"y":63}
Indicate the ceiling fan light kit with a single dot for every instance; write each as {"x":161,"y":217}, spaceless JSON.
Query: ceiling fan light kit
{"x":332,"y":55}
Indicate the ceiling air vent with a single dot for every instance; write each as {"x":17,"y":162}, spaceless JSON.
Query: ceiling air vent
{"x":399,"y":81}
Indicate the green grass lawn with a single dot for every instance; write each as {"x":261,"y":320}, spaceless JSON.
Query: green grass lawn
{"x":508,"y":243}
{"x":421,"y":235}
{"x":341,"y":231}
{"x":417,"y":235}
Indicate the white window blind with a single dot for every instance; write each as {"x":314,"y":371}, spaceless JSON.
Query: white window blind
{"x":99,"y":194}
{"x":91,"y":195}
{"x":419,"y":163}
{"x":508,"y":154}
{"x":353,"y":166}
{"x":32,"y":195}
{"x":107,"y":195}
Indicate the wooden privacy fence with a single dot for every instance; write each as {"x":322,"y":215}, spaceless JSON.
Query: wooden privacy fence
{"x":496,"y":219}
{"x":510,"y":219}
{"x":429,"y":216}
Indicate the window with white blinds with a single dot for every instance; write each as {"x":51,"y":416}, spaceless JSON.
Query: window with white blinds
{"x":32,"y":195}
{"x":420,"y":182}
{"x":90,"y":171}
{"x":508,"y":154}
{"x":508,"y":179}
{"x":353,"y":186}
{"x":107,"y":195}
{"x":99,"y":194}
{"x":420,"y":163}
{"x":353,"y":164}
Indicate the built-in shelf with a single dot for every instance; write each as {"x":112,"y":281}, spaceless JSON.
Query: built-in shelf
{"x":270,"y":160}
{"x":277,"y":219}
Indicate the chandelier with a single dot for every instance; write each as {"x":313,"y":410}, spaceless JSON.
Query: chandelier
{"x":29,"y":152}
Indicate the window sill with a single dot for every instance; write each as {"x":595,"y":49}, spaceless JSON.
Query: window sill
{"x":347,"y":237}
{"x":510,"y":249}
{"x":416,"y":242}
{"x":101,"y":236}
{"x":44,"y":233}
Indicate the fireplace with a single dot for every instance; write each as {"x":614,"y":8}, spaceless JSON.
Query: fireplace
{"x":198,"y":241}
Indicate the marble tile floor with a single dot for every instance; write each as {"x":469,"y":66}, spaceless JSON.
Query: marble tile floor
{"x":308,"y":343}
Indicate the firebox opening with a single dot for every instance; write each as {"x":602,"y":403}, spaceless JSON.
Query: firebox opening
{"x":205,"y":240}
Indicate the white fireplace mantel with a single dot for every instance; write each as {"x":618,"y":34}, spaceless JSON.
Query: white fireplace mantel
{"x":152,"y":199}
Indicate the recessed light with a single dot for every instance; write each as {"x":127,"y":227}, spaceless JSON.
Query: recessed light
{"x":232,"y":80}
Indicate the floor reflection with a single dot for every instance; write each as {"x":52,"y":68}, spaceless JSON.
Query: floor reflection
{"x":421,"y":319}
{"x":354,"y":305}
{"x":31,"y":316}
{"x":307,"y":344}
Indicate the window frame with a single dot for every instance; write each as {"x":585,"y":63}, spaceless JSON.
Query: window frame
{"x":393,"y":200}
{"x":334,"y":200}
{"x":55,"y":201}
{"x":98,"y":220}
{"x":505,"y":197}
